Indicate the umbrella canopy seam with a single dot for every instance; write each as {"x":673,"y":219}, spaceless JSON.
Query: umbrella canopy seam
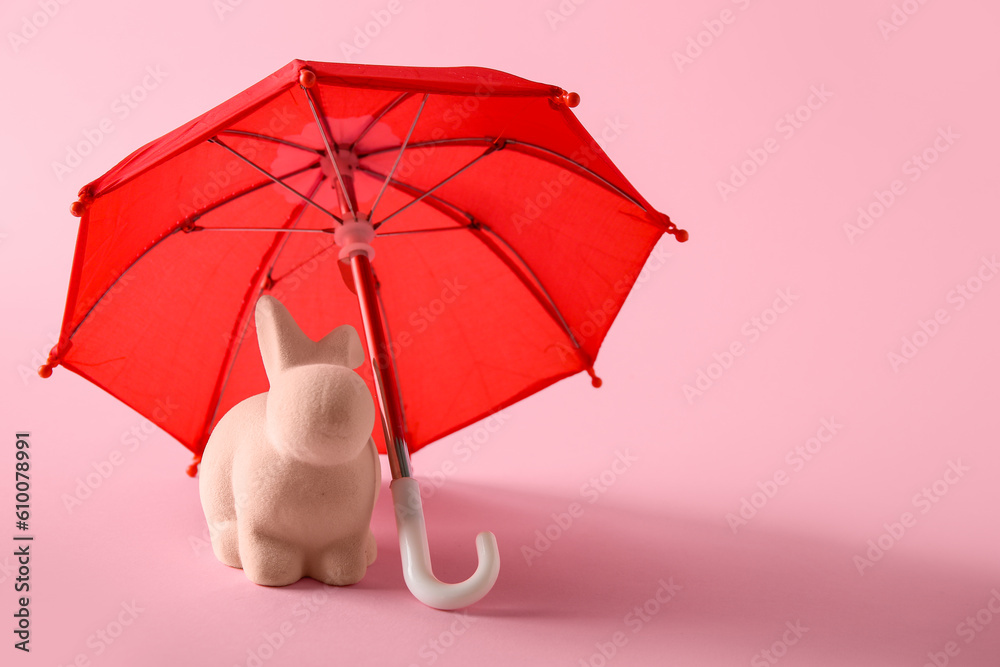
{"x":399,"y":156}
{"x":278,"y":181}
{"x":514,"y":144}
{"x":378,"y":117}
{"x":277,"y":140}
{"x":330,"y":144}
{"x":492,"y":148}
{"x":184,"y":225}
{"x":267,"y":262}
{"x":246,"y":191}
{"x":414,"y":191}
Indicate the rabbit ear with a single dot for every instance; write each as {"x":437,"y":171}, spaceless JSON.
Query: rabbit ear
{"x":282,"y":343}
{"x":342,"y":346}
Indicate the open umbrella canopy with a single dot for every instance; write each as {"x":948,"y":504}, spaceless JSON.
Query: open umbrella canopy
{"x":505,"y":243}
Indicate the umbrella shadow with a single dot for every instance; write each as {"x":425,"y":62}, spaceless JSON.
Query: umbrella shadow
{"x":604,"y":562}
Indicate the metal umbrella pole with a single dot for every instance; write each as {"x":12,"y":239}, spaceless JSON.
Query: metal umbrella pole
{"x":405,"y":490}
{"x":354,"y":236}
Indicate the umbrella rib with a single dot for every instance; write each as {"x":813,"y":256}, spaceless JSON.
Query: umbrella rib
{"x":120,"y":276}
{"x":413,"y":190}
{"x":460,"y":141}
{"x":422,"y":231}
{"x":184,"y":225}
{"x":230,"y":362}
{"x":386,"y":109}
{"x":303,"y":263}
{"x":473,"y":225}
{"x":284,"y":241}
{"x":251,"y":189}
{"x":280,"y":230}
{"x":392,"y":364}
{"x":490,"y":149}
{"x":308,"y":200}
{"x":538,"y":283}
{"x":399,"y":156}
{"x":276,"y":140}
{"x":329,"y":144}
{"x":547,"y":155}
{"x":600,"y":179}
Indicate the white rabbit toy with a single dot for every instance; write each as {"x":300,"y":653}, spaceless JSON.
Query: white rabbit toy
{"x":289,"y":478}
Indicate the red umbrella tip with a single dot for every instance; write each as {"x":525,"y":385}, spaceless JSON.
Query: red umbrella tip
{"x":307,"y":78}
{"x":192,"y":470}
{"x":570,"y":99}
{"x":77,"y":208}
{"x":680,"y":234}
{"x":594,"y":380}
{"x":45,"y":370}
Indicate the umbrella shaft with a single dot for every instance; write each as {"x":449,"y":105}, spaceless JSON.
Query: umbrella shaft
{"x":383,"y":369}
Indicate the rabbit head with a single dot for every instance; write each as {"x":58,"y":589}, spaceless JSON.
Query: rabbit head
{"x":318,"y":409}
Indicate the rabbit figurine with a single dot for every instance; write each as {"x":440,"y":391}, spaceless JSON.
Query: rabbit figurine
{"x":289,"y":478}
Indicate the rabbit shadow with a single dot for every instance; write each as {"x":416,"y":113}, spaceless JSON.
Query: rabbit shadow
{"x":610,"y":559}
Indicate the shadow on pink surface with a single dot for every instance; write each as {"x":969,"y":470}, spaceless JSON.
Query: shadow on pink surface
{"x":648,"y":584}
{"x":618,"y":569}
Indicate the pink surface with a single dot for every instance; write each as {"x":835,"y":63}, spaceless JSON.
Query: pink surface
{"x":793,"y":316}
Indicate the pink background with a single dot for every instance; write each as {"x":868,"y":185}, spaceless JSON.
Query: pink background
{"x":676,"y":132}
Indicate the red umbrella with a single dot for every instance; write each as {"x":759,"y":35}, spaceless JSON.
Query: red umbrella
{"x":487,"y":238}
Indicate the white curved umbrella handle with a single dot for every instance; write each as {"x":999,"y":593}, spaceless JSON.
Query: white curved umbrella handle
{"x":416,"y":555}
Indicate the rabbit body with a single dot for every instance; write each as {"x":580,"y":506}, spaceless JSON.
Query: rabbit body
{"x":289,"y":478}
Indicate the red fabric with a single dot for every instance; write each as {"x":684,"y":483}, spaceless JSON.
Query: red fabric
{"x":162,"y":317}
